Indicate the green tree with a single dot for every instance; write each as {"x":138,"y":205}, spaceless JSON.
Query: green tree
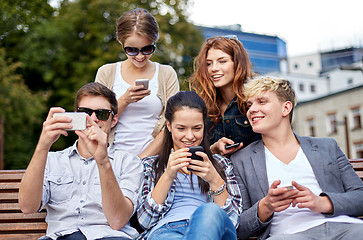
{"x":21,"y":111}
{"x":64,"y":53}
{"x":61,"y":49}
{"x":17,"y":18}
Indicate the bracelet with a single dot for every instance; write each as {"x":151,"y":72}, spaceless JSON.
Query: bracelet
{"x":210,"y":148}
{"x":218,"y":191}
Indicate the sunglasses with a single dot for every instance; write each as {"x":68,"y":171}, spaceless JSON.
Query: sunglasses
{"x":230,"y":37}
{"x":101,"y":114}
{"x":147,"y":50}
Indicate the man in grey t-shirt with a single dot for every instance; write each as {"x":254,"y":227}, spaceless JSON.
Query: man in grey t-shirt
{"x":90,"y":190}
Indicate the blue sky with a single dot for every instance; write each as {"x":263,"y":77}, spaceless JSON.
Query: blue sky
{"x":307,"y":26}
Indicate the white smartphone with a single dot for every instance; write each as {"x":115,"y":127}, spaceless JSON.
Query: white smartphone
{"x":144,"y":82}
{"x":79,"y":121}
{"x":288,"y":187}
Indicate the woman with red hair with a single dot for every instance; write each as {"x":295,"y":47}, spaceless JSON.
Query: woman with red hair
{"x":221,"y":69}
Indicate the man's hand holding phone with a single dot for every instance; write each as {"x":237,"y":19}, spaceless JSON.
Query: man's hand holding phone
{"x":53,"y":127}
{"x":95,"y":139}
{"x":78,"y":119}
{"x":305,"y":198}
{"x":276,"y":200}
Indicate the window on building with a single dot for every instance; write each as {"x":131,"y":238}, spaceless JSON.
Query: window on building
{"x":359,"y":149}
{"x":312,"y":88}
{"x":333,"y":124}
{"x":296,"y":66}
{"x":350,"y":81}
{"x":311,"y":127}
{"x":310,"y":64}
{"x":301,"y":87}
{"x":357,"y":123}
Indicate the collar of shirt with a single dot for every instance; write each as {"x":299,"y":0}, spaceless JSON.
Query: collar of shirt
{"x":74,"y":150}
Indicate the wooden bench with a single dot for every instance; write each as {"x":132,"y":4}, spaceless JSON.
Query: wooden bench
{"x":15,"y":225}
{"x":358,"y":166}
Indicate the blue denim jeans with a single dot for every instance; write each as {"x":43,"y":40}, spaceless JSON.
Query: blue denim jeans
{"x":208,"y":222}
{"x":172,"y":230}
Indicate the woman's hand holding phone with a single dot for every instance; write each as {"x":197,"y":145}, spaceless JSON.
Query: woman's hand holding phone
{"x":177,"y":160}
{"x":135,"y":93}
{"x":225,"y":146}
{"x":204,"y":168}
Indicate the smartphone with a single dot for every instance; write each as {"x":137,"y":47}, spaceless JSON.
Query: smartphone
{"x":144,"y":82}
{"x":79,"y":121}
{"x":194,"y":156}
{"x":288,"y":187}
{"x":228,"y":146}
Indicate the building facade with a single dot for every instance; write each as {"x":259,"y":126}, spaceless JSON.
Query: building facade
{"x":339,"y":69}
{"x":307,"y":87}
{"x":322,"y":62}
{"x":337,"y":115}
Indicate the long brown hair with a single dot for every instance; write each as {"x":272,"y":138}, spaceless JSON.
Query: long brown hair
{"x":203,"y":85}
{"x":184,"y":99}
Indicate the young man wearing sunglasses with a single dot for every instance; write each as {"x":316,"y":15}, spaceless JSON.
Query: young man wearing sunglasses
{"x":90,"y":190}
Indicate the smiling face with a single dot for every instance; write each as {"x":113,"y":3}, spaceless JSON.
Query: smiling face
{"x":138,"y":41}
{"x":220,"y":68}
{"x":186,"y":128}
{"x":267,"y":113}
{"x":99,"y":102}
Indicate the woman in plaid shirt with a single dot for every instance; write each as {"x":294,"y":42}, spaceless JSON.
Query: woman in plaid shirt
{"x":185,"y":198}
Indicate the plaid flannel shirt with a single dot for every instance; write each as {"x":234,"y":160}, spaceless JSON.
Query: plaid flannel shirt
{"x":149,"y":212}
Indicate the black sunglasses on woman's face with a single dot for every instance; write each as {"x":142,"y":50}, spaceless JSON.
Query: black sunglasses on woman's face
{"x":147,"y":50}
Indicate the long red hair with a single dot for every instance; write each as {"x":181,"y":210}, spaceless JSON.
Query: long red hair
{"x":203,"y":85}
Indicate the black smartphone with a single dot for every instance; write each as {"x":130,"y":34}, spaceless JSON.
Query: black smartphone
{"x":228,"y":146}
{"x":194,"y":156}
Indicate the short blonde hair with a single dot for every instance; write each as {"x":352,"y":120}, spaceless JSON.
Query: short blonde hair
{"x":281,"y":87}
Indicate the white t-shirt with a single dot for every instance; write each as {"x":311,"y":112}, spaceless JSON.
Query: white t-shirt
{"x":136,"y":123}
{"x":294,"y":219}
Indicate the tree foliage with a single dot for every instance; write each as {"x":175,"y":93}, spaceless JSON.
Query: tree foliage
{"x":21,"y":111}
{"x":60,"y":49}
{"x":65,"y":52}
{"x":17,"y":18}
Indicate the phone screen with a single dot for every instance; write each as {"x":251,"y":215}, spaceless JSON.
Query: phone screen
{"x":79,"y":121}
{"x":194,"y":156}
{"x":144,"y":82}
